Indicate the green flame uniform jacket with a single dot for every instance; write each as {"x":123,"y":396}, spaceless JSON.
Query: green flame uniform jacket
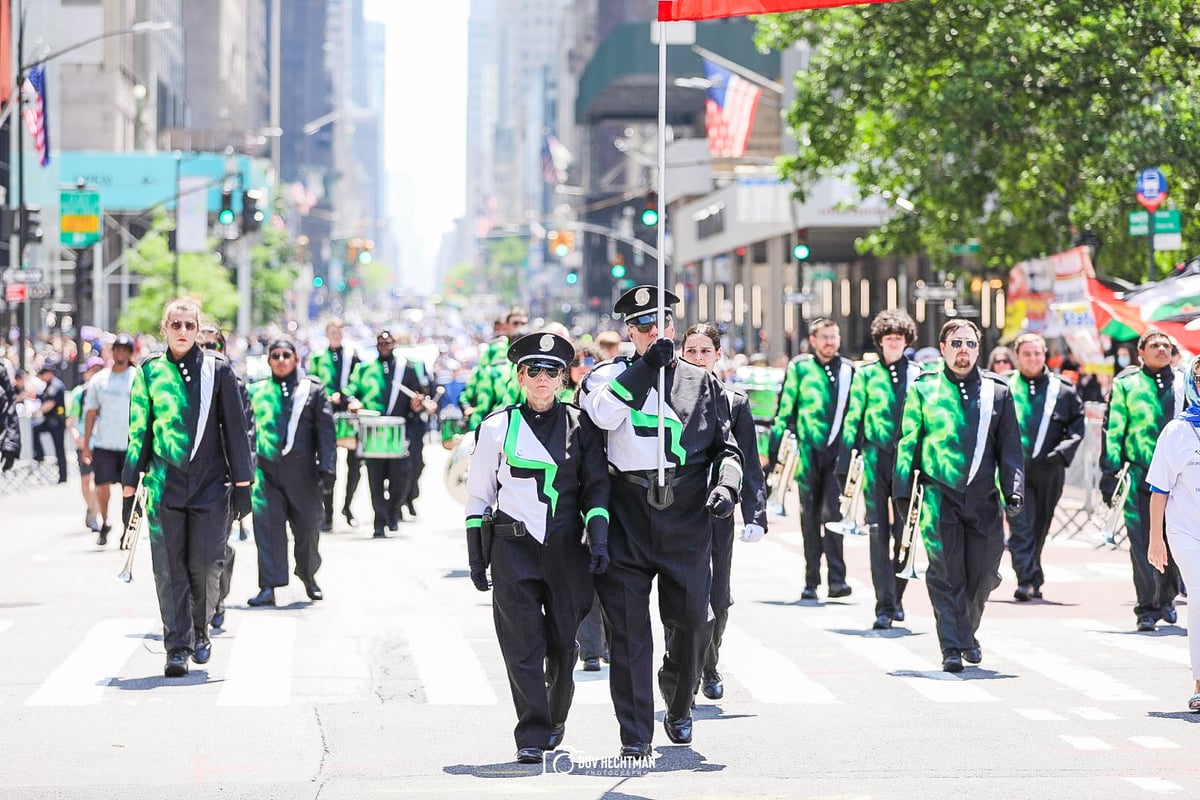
{"x":334,"y":368}
{"x":489,"y":384}
{"x":813,"y":405}
{"x":1140,"y":406}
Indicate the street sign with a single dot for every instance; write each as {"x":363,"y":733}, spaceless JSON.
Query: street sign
{"x":935,"y":293}
{"x":14,"y":275}
{"x":798,"y":298}
{"x":964,"y":248}
{"x":1165,"y":221}
{"x":1168,"y":241}
{"x":15,"y":293}
{"x":79,"y":217}
{"x":1151,"y":188}
{"x":1139,"y":223}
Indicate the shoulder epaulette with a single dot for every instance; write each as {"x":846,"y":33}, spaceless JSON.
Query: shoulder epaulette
{"x":802,"y":357}
{"x":995,"y":376}
{"x":1130,"y":370}
{"x":498,"y":411}
{"x":151,"y":357}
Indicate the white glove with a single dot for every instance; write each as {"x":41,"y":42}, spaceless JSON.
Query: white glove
{"x":752,"y":533}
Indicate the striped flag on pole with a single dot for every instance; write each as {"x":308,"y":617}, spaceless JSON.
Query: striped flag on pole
{"x":35,"y":113}
{"x":729,"y":111}
{"x":675,"y":10}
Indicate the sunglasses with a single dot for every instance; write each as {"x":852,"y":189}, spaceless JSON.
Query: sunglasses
{"x":179,"y":324}
{"x":958,"y":344}
{"x":211,"y":346}
{"x":1002,"y":361}
{"x":551,"y":372}
{"x":587,"y":362}
{"x":281,"y":356}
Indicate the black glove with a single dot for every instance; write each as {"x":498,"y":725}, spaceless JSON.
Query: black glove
{"x":6,"y":461}
{"x":597,"y":539}
{"x":127,"y":509}
{"x":720,"y":502}
{"x":479,"y":576}
{"x":475,"y":559}
{"x":327,"y":480}
{"x":1108,"y":487}
{"x":240,"y":502}
{"x":659,"y":354}
{"x":1012,"y":506}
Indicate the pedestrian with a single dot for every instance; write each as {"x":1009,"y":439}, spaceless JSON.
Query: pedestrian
{"x":10,"y":424}
{"x":75,"y":427}
{"x":812,"y":406}
{"x":959,"y":431}
{"x":53,"y":400}
{"x":293,"y":429}
{"x":1000,"y":361}
{"x":659,"y":530}
{"x":702,"y":347}
{"x":609,"y":345}
{"x":106,"y":435}
{"x":187,"y":437}
{"x":334,"y":366}
{"x":1050,"y":416}
{"x":1174,"y":480}
{"x":877,"y":395}
{"x":1144,"y":399}
{"x":539,"y":471}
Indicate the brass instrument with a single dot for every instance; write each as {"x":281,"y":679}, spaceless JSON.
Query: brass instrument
{"x":849,"y":499}
{"x":129,"y":539}
{"x":780,"y":479}
{"x":1112,"y":515}
{"x":908,"y":553}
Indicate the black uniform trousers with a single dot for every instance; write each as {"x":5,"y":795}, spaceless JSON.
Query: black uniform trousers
{"x":226,"y":579}
{"x":188,"y":558}
{"x":389,"y":479}
{"x":674,"y":544}
{"x":720,"y":597}
{"x":57,"y":428}
{"x":592,"y":634}
{"x":964,"y":544}
{"x":1043,"y":489}
{"x":353,"y":476}
{"x":886,"y":534}
{"x":816,"y":508}
{"x":292,"y":500}
{"x":1156,"y":591}
{"x":416,"y":456}
{"x":540,"y":593}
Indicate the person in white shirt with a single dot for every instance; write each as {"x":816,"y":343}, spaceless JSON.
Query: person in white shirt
{"x":1174,"y":479}
{"x":106,"y":425}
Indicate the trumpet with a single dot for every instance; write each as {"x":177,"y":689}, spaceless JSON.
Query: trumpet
{"x":781,"y":477}
{"x":1112,"y":515}
{"x":908,"y":553}
{"x":849,"y":499}
{"x":132,"y":534}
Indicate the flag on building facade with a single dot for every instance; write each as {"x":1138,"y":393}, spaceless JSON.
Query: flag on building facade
{"x":556,"y":160}
{"x":35,"y":113}
{"x":675,"y":10}
{"x":729,"y":111}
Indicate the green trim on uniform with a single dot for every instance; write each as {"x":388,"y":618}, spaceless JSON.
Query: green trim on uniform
{"x":550,"y":470}
{"x":595,"y":512}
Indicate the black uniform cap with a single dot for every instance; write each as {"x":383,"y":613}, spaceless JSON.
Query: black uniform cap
{"x":541,"y":350}
{"x":639,"y":305}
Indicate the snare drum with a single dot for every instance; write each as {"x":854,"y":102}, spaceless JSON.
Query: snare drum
{"x":345,"y":428}
{"x":382,"y":437}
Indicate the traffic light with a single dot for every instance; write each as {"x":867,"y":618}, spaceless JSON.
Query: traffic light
{"x":318,"y":281}
{"x":618,"y":266}
{"x":31,"y":223}
{"x":650,"y":211}
{"x":561,"y":242}
{"x":365,"y":252}
{"x":252,"y":210}
{"x":800,"y":250}
{"x":572,"y":278}
{"x":225,"y":215}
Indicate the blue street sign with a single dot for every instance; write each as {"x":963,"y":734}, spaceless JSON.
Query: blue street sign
{"x":1151,"y":183}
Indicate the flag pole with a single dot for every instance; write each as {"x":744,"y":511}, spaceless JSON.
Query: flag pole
{"x":661,"y":240}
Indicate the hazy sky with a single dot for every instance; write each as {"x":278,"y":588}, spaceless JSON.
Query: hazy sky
{"x":426,"y":105}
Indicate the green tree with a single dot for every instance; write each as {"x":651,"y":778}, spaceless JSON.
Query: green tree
{"x":1008,"y":121}
{"x":273,"y":273}
{"x":506,"y":262}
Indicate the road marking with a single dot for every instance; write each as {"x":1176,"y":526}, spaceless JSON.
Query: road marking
{"x":1040,"y":715}
{"x":591,"y":688}
{"x":767,"y":674}
{"x":260,"y":664}
{"x":887,"y":653}
{"x":1054,"y":574}
{"x":1085,"y":742}
{"x":5,"y":624}
{"x":1154,"y":785}
{"x":1154,"y":742}
{"x":1091,"y":682}
{"x":1111,"y":570}
{"x":1153,"y":646}
{"x":81,"y":678}
{"x":1093,"y":714}
{"x":450,"y":672}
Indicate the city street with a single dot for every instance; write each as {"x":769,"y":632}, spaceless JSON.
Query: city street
{"x":393,"y":686}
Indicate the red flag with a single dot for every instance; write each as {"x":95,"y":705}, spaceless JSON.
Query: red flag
{"x":675,"y":10}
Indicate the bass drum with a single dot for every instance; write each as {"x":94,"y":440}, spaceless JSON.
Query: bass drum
{"x":457,"y":468}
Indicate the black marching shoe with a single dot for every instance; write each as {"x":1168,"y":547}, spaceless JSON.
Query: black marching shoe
{"x":203,"y":651}
{"x":636,"y":750}
{"x":177,"y":665}
{"x":679,"y":730}
{"x":1036,"y":594}
{"x":712,"y":686}
{"x":1023,"y":593}
{"x":102,"y":538}
{"x":265,"y":597}
{"x":809,"y":593}
{"x":951,"y":660}
{"x":412,"y":512}
{"x":350,"y":520}
{"x":529,"y":755}
{"x":1170,"y":616}
{"x":898,"y":614}
{"x":973,"y":655}
{"x":556,"y":736}
{"x":839,"y":590}
{"x":314,"y":591}
{"x":327,"y":526}
{"x":379,"y":534}
{"x":1146,"y":623}
{"x":882,"y":622}
{"x":218,"y":620}
{"x":591,"y":664}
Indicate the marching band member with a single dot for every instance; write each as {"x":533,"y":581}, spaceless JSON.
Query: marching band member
{"x":1144,"y":399}
{"x":334,"y":367}
{"x":659,"y":531}
{"x":536,"y":482}
{"x":702,"y":347}
{"x":493,"y":374}
{"x":296,"y":457}
{"x":187,"y":435}
{"x":959,"y":429}
{"x":416,"y":431}
{"x":812,"y":404}
{"x":1050,"y":416}
{"x":873,"y":428}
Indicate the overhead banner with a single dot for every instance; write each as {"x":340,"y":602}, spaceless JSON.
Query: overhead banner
{"x":1036,"y":284}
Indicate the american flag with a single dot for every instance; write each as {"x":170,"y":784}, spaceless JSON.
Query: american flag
{"x":729,"y":107}
{"x":556,"y":160}
{"x":35,"y":113}
{"x":673,"y":10}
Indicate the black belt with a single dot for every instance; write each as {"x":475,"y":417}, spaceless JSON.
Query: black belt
{"x":645,"y":478}
{"x":516,"y":529}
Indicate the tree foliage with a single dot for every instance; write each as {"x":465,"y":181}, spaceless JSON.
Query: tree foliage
{"x":273,"y":273}
{"x":505,"y":262}
{"x":1009,"y":121}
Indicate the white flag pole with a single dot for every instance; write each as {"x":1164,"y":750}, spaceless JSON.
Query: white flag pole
{"x":662,"y":227}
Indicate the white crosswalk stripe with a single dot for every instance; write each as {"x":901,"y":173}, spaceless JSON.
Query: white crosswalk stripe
{"x":81,"y":678}
{"x":5,"y":624}
{"x":1111,"y":636}
{"x":1159,"y":785}
{"x":1070,"y":673}
{"x":257,"y":674}
{"x":769,"y":676}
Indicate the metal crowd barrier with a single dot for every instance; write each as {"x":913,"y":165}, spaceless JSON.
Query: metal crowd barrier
{"x":1081,"y":493}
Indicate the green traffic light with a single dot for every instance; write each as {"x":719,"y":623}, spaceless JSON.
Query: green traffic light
{"x":801,"y":251}
{"x":341,"y":287}
{"x":226,"y":216}
{"x":572,"y":278}
{"x":561,"y":250}
{"x":318,"y":282}
{"x":650,"y":217}
{"x":618,"y":270}
{"x":365,"y":257}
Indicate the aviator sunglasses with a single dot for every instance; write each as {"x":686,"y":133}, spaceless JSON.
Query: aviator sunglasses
{"x":970,"y":344}
{"x":179,"y":324}
{"x":551,"y":372}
